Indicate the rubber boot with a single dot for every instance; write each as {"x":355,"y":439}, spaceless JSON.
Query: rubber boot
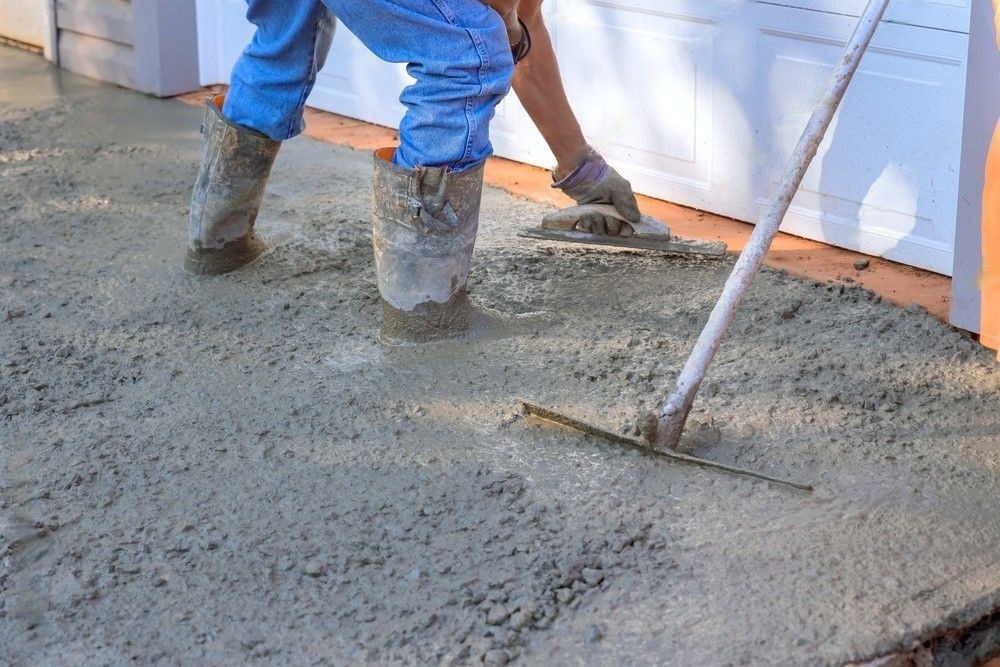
{"x":424,"y":232}
{"x":227,"y":194}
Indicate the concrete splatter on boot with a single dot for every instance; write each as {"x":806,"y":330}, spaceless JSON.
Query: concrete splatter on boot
{"x":424,"y":233}
{"x":227,"y":194}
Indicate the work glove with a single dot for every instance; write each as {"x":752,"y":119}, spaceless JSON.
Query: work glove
{"x":594,"y":181}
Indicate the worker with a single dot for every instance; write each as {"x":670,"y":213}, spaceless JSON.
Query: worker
{"x":989,"y":331}
{"x":427,"y":190}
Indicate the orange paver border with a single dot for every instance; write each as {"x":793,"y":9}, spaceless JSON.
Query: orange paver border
{"x":897,"y":283}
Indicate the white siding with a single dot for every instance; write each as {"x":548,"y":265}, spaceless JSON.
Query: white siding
{"x":95,"y":39}
{"x":24,"y":21}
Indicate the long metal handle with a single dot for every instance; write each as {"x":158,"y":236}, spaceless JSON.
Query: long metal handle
{"x":674,"y":412}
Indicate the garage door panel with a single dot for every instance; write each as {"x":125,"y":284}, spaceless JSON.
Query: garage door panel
{"x":941,"y":14}
{"x":104,"y":19}
{"x":651,"y":107}
{"x":884,"y":179}
{"x":642,"y":82}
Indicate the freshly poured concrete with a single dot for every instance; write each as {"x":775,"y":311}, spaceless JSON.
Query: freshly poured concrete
{"x":232,"y":470}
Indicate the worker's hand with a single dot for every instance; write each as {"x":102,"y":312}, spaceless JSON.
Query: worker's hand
{"x":507,"y":9}
{"x":594,"y":181}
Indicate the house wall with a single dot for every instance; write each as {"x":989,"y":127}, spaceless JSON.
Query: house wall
{"x":24,"y":21}
{"x":96,"y":39}
{"x":147,"y":45}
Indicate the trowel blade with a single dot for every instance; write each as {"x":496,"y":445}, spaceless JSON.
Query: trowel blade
{"x":566,"y":219}
{"x":647,"y":234}
{"x":670,"y":244}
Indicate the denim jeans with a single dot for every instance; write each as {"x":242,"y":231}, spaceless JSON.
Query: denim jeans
{"x":457,"y":50}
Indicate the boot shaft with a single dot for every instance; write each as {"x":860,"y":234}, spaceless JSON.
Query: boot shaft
{"x":424,"y":229}
{"x":235,"y":166}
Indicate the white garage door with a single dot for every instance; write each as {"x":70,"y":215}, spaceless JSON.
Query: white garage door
{"x":24,"y":21}
{"x":700,"y":103}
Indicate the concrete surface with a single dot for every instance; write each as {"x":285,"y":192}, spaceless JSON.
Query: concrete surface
{"x":232,"y":471}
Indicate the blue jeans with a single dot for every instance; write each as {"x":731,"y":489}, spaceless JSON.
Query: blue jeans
{"x":457,"y":51}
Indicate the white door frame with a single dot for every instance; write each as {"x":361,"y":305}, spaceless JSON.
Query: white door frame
{"x":50,"y":47}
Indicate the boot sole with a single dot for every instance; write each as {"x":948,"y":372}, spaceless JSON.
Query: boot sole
{"x":218,"y":261}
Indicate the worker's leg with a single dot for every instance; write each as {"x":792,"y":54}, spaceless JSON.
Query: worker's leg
{"x":244,"y":128}
{"x":276,"y":72}
{"x":457,"y":50}
{"x":427,"y":191}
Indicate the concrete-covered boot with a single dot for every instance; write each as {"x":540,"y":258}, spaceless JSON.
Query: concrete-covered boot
{"x":227,"y":194}
{"x":424,"y":232}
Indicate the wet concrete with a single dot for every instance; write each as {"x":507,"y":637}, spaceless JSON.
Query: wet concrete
{"x":233,"y":470}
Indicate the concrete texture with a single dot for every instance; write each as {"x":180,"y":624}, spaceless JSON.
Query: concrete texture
{"x":232,"y":470}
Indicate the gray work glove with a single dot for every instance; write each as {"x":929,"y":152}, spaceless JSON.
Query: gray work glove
{"x":594,"y":181}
